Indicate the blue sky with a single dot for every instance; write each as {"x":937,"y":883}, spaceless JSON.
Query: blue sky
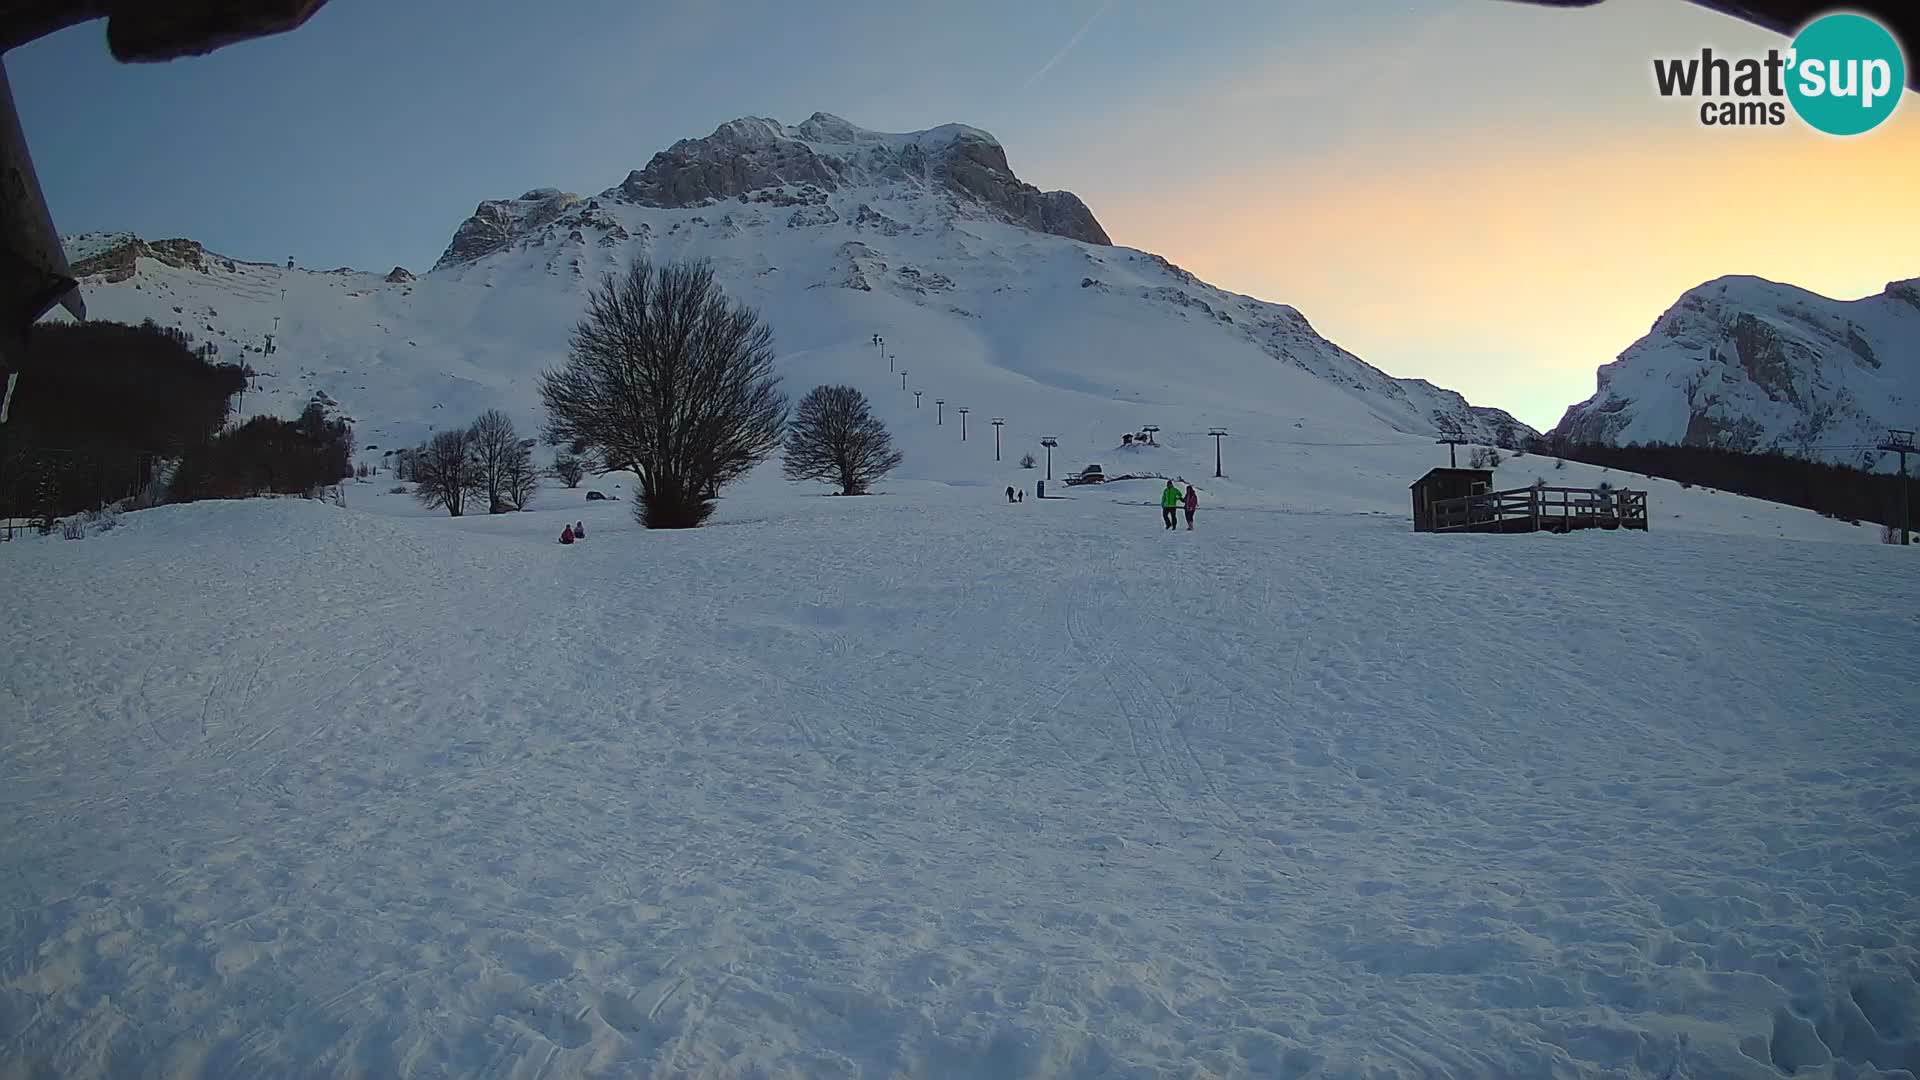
{"x":1259,"y":144}
{"x":367,"y":135}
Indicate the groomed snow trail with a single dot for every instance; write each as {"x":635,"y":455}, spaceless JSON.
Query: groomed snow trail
{"x":913,"y":786}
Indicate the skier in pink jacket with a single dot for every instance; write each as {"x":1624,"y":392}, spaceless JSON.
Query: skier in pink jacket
{"x":1192,"y":500}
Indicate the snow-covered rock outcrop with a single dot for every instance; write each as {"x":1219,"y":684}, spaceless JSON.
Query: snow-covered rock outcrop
{"x":754,"y":159}
{"x":498,"y":222}
{"x":1751,"y":364}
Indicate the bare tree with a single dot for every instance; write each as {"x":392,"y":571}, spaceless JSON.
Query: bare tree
{"x":568,"y":469}
{"x":1026,"y":461}
{"x":445,"y":472}
{"x":836,"y":439}
{"x":496,"y":446}
{"x":521,"y":479}
{"x":668,"y":378}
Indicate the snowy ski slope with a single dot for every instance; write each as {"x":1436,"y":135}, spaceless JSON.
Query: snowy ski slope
{"x":403,"y":359}
{"x":933,"y":786}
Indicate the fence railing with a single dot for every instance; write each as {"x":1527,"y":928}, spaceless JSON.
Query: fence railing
{"x":1555,"y":508}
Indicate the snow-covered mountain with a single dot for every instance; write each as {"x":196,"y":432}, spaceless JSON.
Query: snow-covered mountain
{"x":1752,"y":364}
{"x":756,"y":160}
{"x":992,"y":293}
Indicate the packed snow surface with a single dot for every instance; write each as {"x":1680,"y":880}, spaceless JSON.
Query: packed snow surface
{"x":928,"y":785}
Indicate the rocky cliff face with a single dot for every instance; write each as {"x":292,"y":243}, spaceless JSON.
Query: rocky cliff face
{"x":974,"y":165}
{"x":113,"y":255}
{"x":741,"y":156}
{"x":1750,"y":364}
{"x":760,"y":161}
{"x":499,"y":222}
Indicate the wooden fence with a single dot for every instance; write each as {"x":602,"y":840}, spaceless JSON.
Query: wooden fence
{"x":1542,"y":509}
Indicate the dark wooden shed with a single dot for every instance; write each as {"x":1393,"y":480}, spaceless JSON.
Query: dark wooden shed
{"x":1445,"y":484}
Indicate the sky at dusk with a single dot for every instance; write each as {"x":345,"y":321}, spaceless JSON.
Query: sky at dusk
{"x":1487,"y":195}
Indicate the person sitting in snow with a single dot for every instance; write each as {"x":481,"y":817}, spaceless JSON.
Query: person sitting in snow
{"x":579,"y":531}
{"x":566,"y":535}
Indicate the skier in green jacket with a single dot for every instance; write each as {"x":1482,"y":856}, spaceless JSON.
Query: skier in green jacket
{"x":1169,"y":505}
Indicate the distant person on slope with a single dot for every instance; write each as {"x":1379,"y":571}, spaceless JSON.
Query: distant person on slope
{"x":566,"y":535}
{"x":1009,"y":492}
{"x":1192,"y":501}
{"x":580,"y":531}
{"x":1169,"y":501}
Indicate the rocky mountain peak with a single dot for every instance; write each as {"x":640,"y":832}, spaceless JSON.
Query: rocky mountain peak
{"x":827,"y":128}
{"x":115,"y":256}
{"x":754,"y":154}
{"x":761,"y":158}
{"x":1907,"y":292}
{"x":496,"y":223}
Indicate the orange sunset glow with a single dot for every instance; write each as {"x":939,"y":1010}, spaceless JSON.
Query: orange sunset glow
{"x":1511,"y":267}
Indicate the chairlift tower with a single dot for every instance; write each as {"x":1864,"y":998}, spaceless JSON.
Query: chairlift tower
{"x":1901,"y":442}
{"x":963,"y":425}
{"x":1049,"y":442}
{"x":997,"y":421}
{"x":1217,"y":434}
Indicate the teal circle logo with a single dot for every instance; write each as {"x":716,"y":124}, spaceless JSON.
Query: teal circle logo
{"x":1846,"y":74}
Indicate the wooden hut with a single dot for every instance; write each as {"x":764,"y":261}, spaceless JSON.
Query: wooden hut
{"x":1445,"y":484}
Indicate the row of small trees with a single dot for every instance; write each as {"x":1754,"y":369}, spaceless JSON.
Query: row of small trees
{"x":486,"y":462}
{"x":267,"y":455}
{"x":667,"y":378}
{"x":1838,"y":491}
